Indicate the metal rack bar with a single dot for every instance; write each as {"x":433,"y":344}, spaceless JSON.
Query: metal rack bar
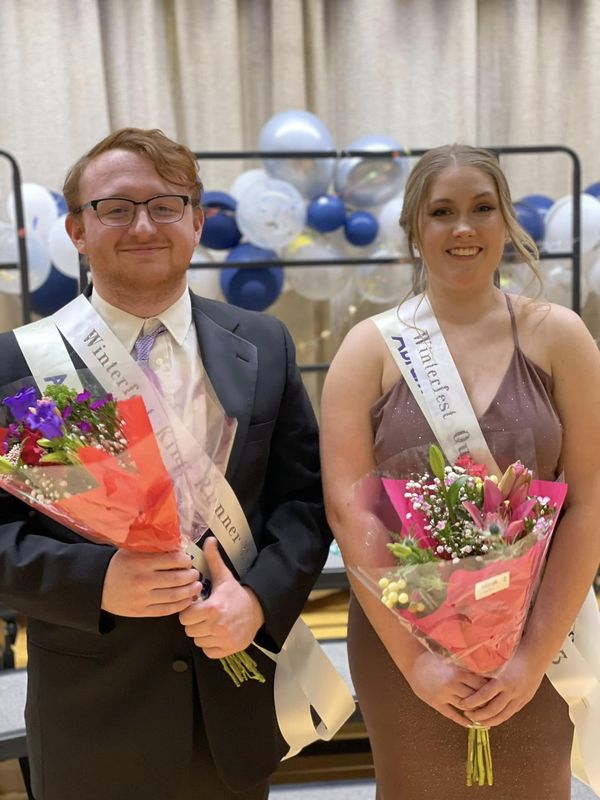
{"x":23,"y":265}
{"x":573,"y":255}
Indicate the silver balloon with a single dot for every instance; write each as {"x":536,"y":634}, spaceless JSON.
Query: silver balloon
{"x":298,"y":131}
{"x":369,"y":182}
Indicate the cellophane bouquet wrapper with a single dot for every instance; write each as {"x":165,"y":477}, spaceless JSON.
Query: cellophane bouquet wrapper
{"x":471,"y":610}
{"x":94,"y":463}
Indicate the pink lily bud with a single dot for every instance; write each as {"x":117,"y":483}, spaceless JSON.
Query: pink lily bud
{"x":515,"y":482}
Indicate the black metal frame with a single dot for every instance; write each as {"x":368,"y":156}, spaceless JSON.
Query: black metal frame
{"x":574,"y":255}
{"x":20,"y":223}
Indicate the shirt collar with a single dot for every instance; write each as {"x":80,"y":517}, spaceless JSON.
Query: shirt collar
{"x":127,"y":327}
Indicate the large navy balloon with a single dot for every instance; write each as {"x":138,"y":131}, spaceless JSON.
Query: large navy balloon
{"x":57,"y":290}
{"x":220,"y":230}
{"x":530,"y":220}
{"x":541,"y":202}
{"x":254,"y":288}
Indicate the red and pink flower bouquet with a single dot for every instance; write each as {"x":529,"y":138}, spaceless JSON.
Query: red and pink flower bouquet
{"x":456,"y":555}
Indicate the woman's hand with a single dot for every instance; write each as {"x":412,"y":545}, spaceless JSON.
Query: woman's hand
{"x":443,"y":686}
{"x":503,"y":696}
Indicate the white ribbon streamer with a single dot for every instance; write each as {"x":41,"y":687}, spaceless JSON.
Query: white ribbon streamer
{"x":413,"y":337}
{"x":304,"y":675}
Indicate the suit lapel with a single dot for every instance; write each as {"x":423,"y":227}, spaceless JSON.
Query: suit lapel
{"x":231,"y":364}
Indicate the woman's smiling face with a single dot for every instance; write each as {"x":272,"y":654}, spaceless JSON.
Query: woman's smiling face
{"x":461,"y":230}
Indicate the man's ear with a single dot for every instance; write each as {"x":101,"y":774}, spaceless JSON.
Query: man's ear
{"x":76,"y":231}
{"x":198,"y":224}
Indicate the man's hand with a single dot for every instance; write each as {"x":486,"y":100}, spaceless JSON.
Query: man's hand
{"x":503,"y":696}
{"x":228,"y":620}
{"x":149,"y":584}
{"x":443,"y":686}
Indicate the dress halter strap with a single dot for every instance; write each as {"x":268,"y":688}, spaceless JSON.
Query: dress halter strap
{"x":513,"y":321}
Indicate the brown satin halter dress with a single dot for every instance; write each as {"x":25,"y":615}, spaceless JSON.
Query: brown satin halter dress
{"x":419,"y":753}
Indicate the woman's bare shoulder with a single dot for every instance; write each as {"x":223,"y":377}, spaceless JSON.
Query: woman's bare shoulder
{"x":547,"y":330}
{"x":363,"y":340}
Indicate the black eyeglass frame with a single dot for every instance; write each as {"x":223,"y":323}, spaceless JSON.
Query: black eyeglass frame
{"x":94,"y":204}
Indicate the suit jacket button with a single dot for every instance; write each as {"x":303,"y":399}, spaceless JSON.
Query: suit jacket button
{"x":179,"y":665}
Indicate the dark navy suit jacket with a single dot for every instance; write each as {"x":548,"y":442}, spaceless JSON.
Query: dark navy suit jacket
{"x":110,"y":699}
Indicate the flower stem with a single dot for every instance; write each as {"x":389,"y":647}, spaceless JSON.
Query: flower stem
{"x":479,"y":757}
{"x":241,"y":668}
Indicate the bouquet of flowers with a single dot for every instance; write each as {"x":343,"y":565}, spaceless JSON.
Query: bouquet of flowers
{"x":456,"y":555}
{"x":94,"y":464}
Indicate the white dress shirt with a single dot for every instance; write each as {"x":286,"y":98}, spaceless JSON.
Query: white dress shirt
{"x":174,"y":358}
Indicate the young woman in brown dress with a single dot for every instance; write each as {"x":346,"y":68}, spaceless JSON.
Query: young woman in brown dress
{"x":532,"y":372}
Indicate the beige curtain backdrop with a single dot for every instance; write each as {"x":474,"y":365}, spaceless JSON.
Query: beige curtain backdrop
{"x":211,"y":73}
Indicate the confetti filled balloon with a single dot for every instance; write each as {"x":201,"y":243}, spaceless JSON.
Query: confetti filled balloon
{"x":271,"y":214}
{"x":365,"y":182}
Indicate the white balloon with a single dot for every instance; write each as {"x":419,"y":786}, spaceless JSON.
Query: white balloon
{"x":37,"y":257}
{"x":390,"y":232}
{"x":271,"y":214}
{"x":61,"y":249}
{"x":40,"y":208}
{"x":593,"y":277}
{"x":559,"y":224}
{"x":251,"y":177}
{"x":518,"y":278}
{"x":384,"y":283}
{"x":204,"y":282}
{"x":558,"y":284}
{"x":316,"y":283}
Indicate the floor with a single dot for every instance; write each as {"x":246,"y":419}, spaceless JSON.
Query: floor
{"x":365,"y":790}
{"x":326,"y":615}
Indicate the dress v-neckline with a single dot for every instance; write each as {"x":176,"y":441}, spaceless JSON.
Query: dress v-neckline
{"x":500,"y":386}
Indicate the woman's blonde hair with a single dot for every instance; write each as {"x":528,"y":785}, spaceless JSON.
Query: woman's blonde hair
{"x":174,"y":162}
{"x":429,"y":167}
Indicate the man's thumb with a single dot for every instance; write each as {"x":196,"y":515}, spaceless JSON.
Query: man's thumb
{"x":216,"y":566}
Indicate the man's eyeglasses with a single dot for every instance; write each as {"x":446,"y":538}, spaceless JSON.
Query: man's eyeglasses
{"x":118,"y":212}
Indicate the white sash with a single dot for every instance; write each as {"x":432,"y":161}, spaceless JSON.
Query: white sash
{"x":414,"y":339}
{"x":304,"y":675}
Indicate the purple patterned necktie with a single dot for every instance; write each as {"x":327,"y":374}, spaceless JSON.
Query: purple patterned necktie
{"x":145,"y":342}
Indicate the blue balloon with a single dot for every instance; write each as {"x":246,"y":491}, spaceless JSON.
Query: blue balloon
{"x":361,"y":228}
{"x":541,"y":202}
{"x":220,"y":231}
{"x":593,"y":189}
{"x":57,"y":290}
{"x":253,"y":288}
{"x":530,"y":220}
{"x":326,"y":213}
{"x":60,"y":202}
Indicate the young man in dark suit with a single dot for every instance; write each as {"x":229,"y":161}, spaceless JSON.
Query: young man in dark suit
{"x":126,"y":695}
